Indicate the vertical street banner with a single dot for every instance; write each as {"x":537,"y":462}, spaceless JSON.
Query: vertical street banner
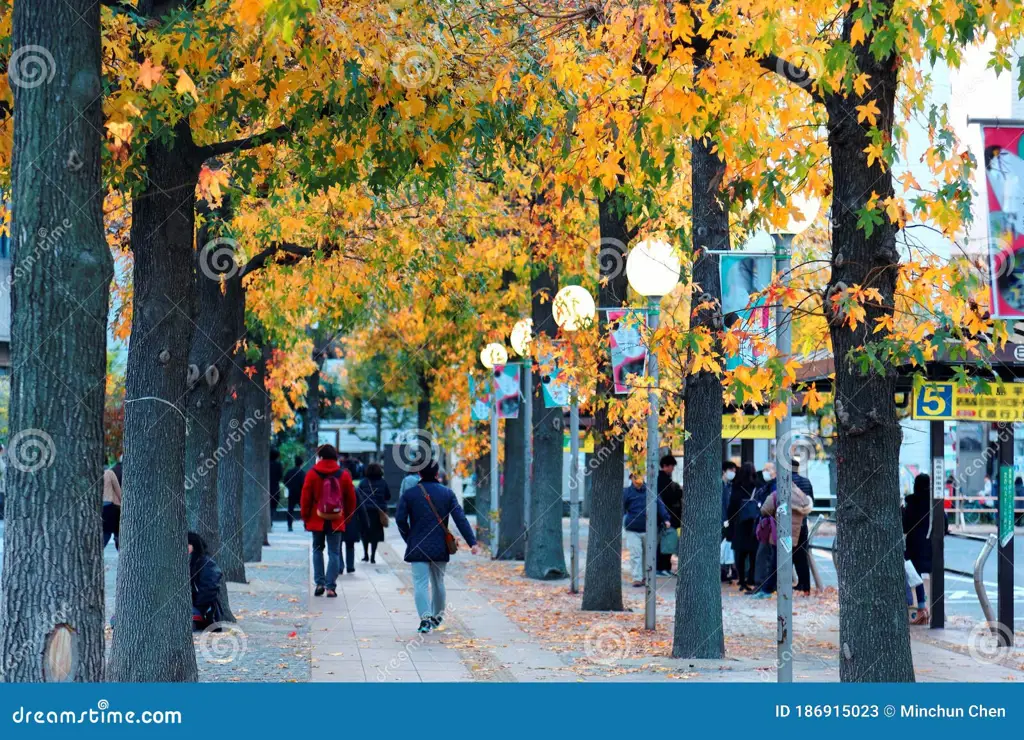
{"x":1004,"y":178}
{"x":629,"y":353}
{"x":744,"y":276}
{"x":1006,"y":505}
{"x":479,"y":400}
{"x":507,"y":378}
{"x":554,"y":388}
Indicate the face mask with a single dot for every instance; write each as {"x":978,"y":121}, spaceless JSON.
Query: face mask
{"x":730,"y":474}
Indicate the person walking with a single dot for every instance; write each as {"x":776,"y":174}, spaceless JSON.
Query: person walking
{"x":293,"y":480}
{"x":373,"y":495}
{"x":728,"y":558}
{"x":634,"y":522}
{"x":327,"y":493}
{"x":917,"y":523}
{"x":111,"y":508}
{"x":671,"y":494}
{"x":276,"y":474}
{"x":742,"y":521}
{"x":411,"y":480}
{"x":422,"y":520}
{"x":800,"y":505}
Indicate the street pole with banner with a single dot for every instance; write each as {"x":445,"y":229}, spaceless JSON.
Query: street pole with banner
{"x":938,"y":525}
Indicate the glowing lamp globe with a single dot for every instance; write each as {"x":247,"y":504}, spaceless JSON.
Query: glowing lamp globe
{"x":652,"y":268}
{"x":492,"y":355}
{"x":802,"y":212}
{"x":573,"y":308}
{"x":522,"y":336}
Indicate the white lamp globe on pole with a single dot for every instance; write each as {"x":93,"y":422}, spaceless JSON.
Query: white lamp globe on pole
{"x":652,"y":269}
{"x":493,"y":355}
{"x":802,"y":211}
{"x":574,"y":308}
{"x":522,"y":336}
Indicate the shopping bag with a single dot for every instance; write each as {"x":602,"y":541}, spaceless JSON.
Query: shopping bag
{"x":726,"y":556}
{"x":913,"y":577}
{"x":668,"y":544}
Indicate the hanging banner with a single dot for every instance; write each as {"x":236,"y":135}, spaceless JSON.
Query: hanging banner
{"x":553,"y":386}
{"x":480,"y":401}
{"x":629,"y":353}
{"x":1004,"y":178}
{"x":743,"y":277}
{"x":938,"y":401}
{"x":509,"y":384}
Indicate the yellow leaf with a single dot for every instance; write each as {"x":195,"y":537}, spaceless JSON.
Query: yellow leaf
{"x":860,"y":83}
{"x":857,"y":33}
{"x":185,"y":85}
{"x":868,"y":112}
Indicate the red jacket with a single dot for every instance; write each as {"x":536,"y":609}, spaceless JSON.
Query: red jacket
{"x":311,"y":495}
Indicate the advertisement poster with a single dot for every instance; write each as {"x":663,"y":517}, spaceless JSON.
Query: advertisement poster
{"x":1004,"y":177}
{"x":743,"y":277}
{"x":629,"y":353}
{"x":509,"y":396}
{"x":553,"y":386}
{"x":480,"y":400}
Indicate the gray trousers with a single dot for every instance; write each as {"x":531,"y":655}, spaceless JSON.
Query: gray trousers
{"x":428,"y":588}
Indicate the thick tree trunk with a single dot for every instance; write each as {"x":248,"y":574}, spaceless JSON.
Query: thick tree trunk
{"x":152,"y":635}
{"x":255,"y":493}
{"x":873,"y":632}
{"x":51,"y":628}
{"x":512,"y":529}
{"x":231,"y":474}
{"x":425,"y":400}
{"x":545,"y":550}
{"x":603,"y":587}
{"x":217,"y":288}
{"x":698,"y":622}
{"x":482,"y":477}
{"x":311,"y":414}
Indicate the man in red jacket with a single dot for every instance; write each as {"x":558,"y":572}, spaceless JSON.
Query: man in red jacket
{"x":326,"y":531}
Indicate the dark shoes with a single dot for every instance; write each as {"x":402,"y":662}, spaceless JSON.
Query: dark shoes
{"x":425,"y":626}
{"x":435,"y":622}
{"x":318,"y":591}
{"x":332,"y":594}
{"x":366,"y":558}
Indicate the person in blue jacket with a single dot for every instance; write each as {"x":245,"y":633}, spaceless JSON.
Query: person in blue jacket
{"x":634,"y":522}
{"x":422,"y":520}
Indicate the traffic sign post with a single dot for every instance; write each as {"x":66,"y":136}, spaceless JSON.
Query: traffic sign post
{"x":1004,"y":573}
{"x":938,"y":526}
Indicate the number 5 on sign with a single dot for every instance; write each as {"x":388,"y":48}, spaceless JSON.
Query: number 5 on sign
{"x":933,"y":401}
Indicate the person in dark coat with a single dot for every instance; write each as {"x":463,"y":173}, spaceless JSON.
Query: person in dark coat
{"x":422,"y":520}
{"x":634,"y":522}
{"x":671,"y":495}
{"x":743,"y":515}
{"x":917,"y":520}
{"x":293,"y":480}
{"x":204,"y":578}
{"x":373,"y":495}
{"x":276,"y":474}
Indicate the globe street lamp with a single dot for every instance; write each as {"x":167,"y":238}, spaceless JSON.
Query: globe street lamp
{"x":652,"y":268}
{"x":574,"y":309}
{"x":802,"y":212}
{"x":522,"y":339}
{"x":493,"y":356}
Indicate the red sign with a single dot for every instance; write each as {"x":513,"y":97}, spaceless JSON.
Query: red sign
{"x":1004,"y":176}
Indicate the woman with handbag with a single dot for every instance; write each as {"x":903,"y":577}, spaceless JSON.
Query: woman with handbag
{"x":422,"y":520}
{"x":373,"y":494}
{"x":917,"y":557}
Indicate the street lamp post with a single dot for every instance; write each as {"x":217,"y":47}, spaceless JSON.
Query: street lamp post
{"x":522,"y":337}
{"x":652,"y":269}
{"x":574,"y":309}
{"x":803,"y":213}
{"x":494,"y":355}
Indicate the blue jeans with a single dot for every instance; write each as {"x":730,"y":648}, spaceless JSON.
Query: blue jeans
{"x":428,"y":588}
{"x":333,"y":542}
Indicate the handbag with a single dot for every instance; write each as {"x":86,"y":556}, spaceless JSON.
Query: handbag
{"x":383,"y":516}
{"x":913,"y":577}
{"x":725,"y":554}
{"x":668,"y":542}
{"x":449,"y":540}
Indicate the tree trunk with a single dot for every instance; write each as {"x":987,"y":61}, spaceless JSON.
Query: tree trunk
{"x":873,"y":632}
{"x":255,"y":493}
{"x":545,"y":551}
{"x":482,"y":476}
{"x":231,"y":474}
{"x":217,"y":289}
{"x":51,"y":627}
{"x":698,"y":621}
{"x":603,"y":585}
{"x":311,"y":414}
{"x":152,"y":636}
{"x":424,"y":403}
{"x":512,"y":529}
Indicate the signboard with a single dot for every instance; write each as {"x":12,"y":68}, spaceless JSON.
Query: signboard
{"x":1006,"y":504}
{"x":743,"y":277}
{"x":586,"y":442}
{"x":508,"y":380}
{"x":940,"y":401}
{"x":1004,"y":178}
{"x":554,"y":388}
{"x":629,"y":353}
{"x":747,"y":427}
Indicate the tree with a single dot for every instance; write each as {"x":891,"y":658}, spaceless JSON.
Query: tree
{"x":52,"y":621}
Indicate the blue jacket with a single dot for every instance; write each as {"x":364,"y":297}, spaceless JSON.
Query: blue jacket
{"x":424,"y":537}
{"x":634,"y":509}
